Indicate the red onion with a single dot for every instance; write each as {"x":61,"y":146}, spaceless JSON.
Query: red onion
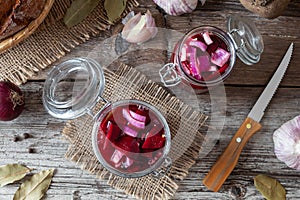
{"x":11,"y":101}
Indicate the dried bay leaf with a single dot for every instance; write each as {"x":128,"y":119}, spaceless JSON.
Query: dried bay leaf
{"x":114,"y":8}
{"x":36,"y":187}
{"x":270,"y":188}
{"x":11,"y":173}
{"x":78,"y":11}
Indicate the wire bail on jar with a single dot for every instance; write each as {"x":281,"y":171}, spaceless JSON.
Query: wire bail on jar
{"x":169,"y":76}
{"x":247,"y":39}
{"x":167,"y":164}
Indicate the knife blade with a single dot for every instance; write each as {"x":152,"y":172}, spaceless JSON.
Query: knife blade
{"x":229,"y":158}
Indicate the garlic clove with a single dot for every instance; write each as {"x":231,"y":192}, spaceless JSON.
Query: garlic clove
{"x":287,"y":143}
{"x":202,"y":2}
{"x":178,"y":7}
{"x":140,"y":28}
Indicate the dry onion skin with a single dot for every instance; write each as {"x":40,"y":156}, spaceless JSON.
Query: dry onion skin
{"x":287,"y":143}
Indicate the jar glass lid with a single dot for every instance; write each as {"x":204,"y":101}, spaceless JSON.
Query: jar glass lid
{"x":248,"y":40}
{"x":73,"y":87}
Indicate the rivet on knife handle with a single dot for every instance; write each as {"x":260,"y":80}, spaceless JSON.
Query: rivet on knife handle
{"x":228,"y":160}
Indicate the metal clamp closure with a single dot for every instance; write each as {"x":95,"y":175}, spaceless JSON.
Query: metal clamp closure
{"x":164,"y":169}
{"x":169,"y":76}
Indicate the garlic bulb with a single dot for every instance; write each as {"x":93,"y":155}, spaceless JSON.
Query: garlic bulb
{"x":178,"y":7}
{"x":139,"y":28}
{"x":287,"y":143}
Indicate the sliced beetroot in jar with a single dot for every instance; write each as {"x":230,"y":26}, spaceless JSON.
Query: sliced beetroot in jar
{"x":198,"y":44}
{"x":207,"y":39}
{"x":220,"y":57}
{"x":155,"y":141}
{"x":118,"y":119}
{"x":205,"y":55}
{"x":142,"y":111}
{"x":128,"y":143}
{"x":113,"y":131}
{"x":136,"y":123}
{"x":129,"y":137}
{"x":130,"y":131}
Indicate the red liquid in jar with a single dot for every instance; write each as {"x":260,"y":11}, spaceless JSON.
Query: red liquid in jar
{"x":131,"y":138}
{"x":204,"y":56}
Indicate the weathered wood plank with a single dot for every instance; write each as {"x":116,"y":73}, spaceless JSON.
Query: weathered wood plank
{"x":70,"y":181}
{"x":242,"y":89}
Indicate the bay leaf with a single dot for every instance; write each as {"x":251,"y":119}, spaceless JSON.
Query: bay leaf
{"x":270,"y":188}
{"x":11,"y":173}
{"x":78,"y":11}
{"x":114,"y":8}
{"x":35,"y":187}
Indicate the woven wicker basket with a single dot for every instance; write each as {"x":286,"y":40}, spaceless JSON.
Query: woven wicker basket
{"x":27,"y":31}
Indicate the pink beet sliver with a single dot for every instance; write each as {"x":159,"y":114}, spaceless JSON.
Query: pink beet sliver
{"x":220,"y":57}
{"x":207,"y":38}
{"x":198,"y":44}
{"x":137,"y":116}
{"x":204,"y":63}
{"x":130,"y":131}
{"x":131,"y":120}
{"x":193,"y":62}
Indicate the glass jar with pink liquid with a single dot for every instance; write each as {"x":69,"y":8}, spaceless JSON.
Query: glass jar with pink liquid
{"x":206,"y":55}
{"x":130,"y":137}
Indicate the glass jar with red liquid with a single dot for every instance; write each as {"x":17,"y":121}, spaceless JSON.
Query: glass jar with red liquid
{"x":206,"y":55}
{"x":130,"y":138}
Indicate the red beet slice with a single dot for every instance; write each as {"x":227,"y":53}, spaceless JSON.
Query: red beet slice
{"x":154,"y":141}
{"x":113,"y":131}
{"x":129,"y":146}
{"x":117,"y":117}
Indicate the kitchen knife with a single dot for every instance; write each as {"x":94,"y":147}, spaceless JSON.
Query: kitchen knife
{"x":228,"y":160}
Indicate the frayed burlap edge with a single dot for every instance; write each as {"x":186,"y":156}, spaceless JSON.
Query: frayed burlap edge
{"x":51,"y":41}
{"x":127,"y":83}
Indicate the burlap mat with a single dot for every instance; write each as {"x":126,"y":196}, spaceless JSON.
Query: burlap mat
{"x":184,"y":123}
{"x":51,"y":41}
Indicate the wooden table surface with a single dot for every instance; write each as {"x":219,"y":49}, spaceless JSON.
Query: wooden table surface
{"x":242,"y":89}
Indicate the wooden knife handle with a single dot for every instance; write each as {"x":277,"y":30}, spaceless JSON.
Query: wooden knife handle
{"x":228,"y":160}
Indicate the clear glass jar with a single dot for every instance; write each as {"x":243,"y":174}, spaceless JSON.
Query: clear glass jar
{"x":206,"y":55}
{"x":130,"y":138}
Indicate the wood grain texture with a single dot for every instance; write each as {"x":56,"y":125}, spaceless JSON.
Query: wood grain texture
{"x":243,"y":87}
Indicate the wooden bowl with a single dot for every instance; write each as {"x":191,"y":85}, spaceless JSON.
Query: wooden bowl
{"x":28,"y":30}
